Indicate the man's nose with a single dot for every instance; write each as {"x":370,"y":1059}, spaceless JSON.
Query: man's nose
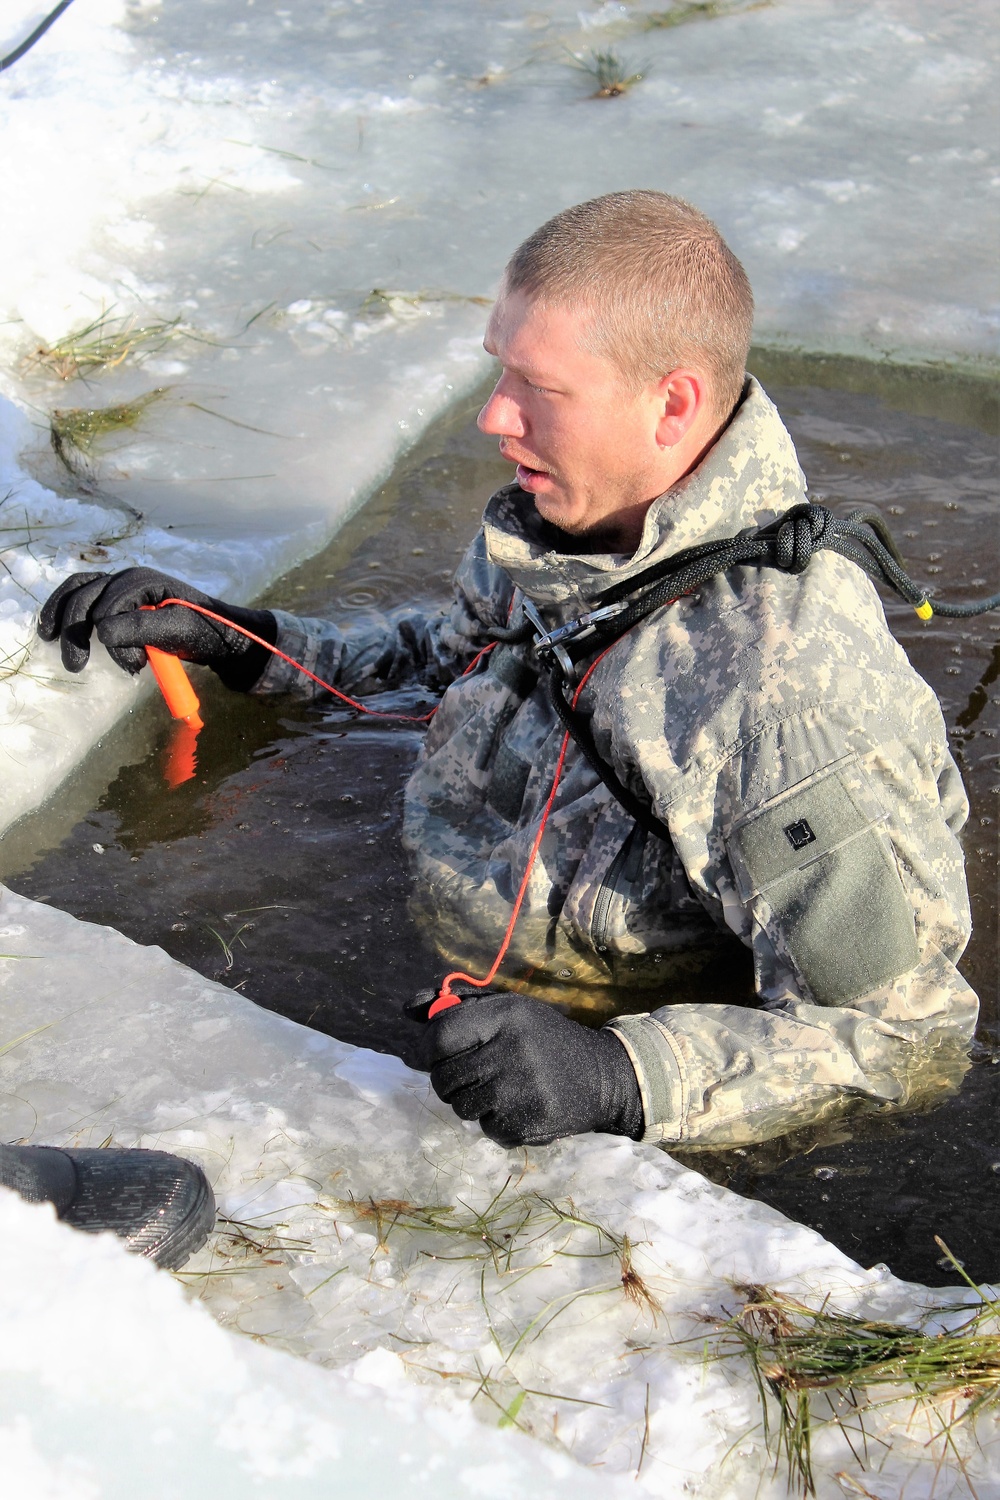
{"x":501,"y":416}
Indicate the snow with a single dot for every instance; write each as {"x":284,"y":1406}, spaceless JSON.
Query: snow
{"x":113,"y":1384}
{"x":301,"y":1135}
{"x":255,"y":173}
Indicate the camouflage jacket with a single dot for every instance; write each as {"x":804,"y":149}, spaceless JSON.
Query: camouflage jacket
{"x":792,"y":946}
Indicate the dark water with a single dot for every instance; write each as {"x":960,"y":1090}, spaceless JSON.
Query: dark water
{"x":278,"y":869}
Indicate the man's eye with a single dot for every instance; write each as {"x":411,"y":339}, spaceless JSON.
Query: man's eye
{"x":541,"y":389}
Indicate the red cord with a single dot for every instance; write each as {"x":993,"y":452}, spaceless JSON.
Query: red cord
{"x":327,"y":686}
{"x":446,"y":996}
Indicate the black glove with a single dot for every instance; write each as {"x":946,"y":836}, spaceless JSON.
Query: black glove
{"x":111,"y":604}
{"x":529,"y":1074}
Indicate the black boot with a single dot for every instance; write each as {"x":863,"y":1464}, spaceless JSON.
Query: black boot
{"x":160,"y":1205}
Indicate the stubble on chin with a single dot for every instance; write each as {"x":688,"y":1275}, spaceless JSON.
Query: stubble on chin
{"x":553,"y":512}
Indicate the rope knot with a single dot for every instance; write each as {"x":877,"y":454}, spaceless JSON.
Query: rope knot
{"x":798,"y":536}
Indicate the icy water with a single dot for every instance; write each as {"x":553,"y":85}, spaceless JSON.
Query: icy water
{"x":278,"y":869}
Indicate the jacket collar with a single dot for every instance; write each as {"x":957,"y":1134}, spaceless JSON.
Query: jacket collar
{"x":747,"y":478}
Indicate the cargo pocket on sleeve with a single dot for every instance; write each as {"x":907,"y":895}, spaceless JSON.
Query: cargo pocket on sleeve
{"x":818,"y":859}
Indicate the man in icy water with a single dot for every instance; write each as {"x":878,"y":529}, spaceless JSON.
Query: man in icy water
{"x":783,"y":907}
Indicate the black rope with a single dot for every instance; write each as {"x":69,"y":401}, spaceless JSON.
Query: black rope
{"x":36,"y":35}
{"x":965,"y":611}
{"x":511,"y":635}
{"x":788,"y":544}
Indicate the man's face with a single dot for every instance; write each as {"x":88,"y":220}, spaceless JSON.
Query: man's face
{"x":583,"y":443}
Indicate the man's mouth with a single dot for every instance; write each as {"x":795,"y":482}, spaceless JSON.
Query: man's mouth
{"x":530,"y":479}
{"x":529,"y":475}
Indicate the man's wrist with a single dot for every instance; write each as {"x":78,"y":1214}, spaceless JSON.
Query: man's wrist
{"x":622,"y":1112}
{"x":240,"y":672}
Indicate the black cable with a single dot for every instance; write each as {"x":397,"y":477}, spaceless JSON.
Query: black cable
{"x":511,"y":635}
{"x":788,"y":544}
{"x":872,"y":519}
{"x":36,"y":35}
{"x":964,"y":611}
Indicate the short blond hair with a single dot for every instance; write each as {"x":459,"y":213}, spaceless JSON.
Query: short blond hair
{"x":663,"y":287}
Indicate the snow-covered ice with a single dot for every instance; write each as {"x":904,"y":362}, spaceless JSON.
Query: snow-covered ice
{"x":248,"y":177}
{"x":323,"y":1154}
{"x":113,"y":1385}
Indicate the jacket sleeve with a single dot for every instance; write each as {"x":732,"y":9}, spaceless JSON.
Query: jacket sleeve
{"x":388,"y":651}
{"x":836,"y":860}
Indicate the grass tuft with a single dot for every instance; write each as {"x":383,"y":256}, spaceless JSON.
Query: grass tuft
{"x":104,"y":344}
{"x":796,"y":1352}
{"x":382,"y":300}
{"x":697,"y":10}
{"x":610,"y":72}
{"x":12,"y":664}
{"x":507,"y":1236}
{"x":74,"y":431}
{"x":633,"y":1285}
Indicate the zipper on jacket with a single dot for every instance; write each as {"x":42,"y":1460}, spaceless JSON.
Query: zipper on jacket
{"x":622,"y":873}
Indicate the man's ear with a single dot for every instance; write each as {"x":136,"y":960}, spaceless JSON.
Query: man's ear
{"x":681,"y":398}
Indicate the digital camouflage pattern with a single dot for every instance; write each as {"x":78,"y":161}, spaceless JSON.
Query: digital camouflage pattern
{"x":794,"y":945}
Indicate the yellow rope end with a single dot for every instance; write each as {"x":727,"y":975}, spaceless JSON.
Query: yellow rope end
{"x":924,"y":610}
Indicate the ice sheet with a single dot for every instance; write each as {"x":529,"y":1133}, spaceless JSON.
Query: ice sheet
{"x":113,"y":1385}
{"x":322,"y":1154}
{"x":255,"y":173}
